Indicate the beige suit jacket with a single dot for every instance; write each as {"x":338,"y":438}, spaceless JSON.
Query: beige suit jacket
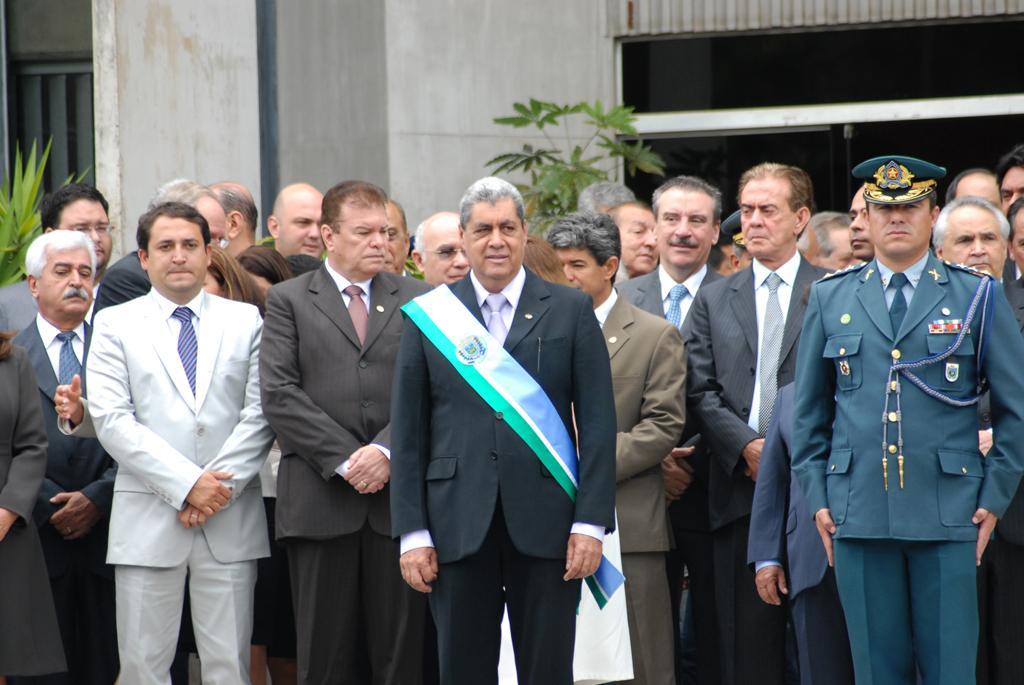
{"x":648,"y":363}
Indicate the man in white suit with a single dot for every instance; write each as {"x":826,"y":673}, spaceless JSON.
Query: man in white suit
{"x":174,"y":397}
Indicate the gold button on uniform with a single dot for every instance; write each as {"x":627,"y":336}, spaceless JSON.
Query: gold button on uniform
{"x":963,"y":469}
{"x":833,"y":467}
{"x":896,"y":354}
{"x":892,"y":386}
{"x":892,"y":416}
{"x":892,"y":449}
{"x":842,"y":351}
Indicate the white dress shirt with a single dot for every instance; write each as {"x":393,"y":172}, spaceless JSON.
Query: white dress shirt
{"x":512,"y":292}
{"x":602,"y":310}
{"x":166,"y":308}
{"x":343,"y":283}
{"x":692,"y":284}
{"x":48,"y":333}
{"x":787,"y":272}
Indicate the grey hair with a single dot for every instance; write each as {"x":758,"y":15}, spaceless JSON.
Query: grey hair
{"x":234,"y":201}
{"x":590,"y":231}
{"x":602,"y":196}
{"x":822,"y":223}
{"x":693,"y":184}
{"x":56,"y":242}
{"x":181,"y":190}
{"x":489,"y":189}
{"x":942,"y":223}
{"x":418,"y":236}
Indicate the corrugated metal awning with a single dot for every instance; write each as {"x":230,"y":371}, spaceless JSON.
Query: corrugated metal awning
{"x":628,"y":18}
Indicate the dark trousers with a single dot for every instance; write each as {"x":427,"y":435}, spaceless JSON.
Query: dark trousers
{"x":349,"y":596}
{"x":85,"y":613}
{"x":467,"y":601}
{"x":694,"y":553}
{"x":823,"y":646}
{"x":910,"y":607}
{"x":752,"y":634}
{"x":1001,"y":613}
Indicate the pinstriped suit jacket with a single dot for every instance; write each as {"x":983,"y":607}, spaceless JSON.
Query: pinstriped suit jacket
{"x":722,"y":344}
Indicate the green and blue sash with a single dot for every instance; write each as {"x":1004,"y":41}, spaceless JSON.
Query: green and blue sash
{"x":507,"y":388}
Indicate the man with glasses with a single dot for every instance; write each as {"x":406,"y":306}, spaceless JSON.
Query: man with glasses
{"x":437,"y":249}
{"x":75,"y":207}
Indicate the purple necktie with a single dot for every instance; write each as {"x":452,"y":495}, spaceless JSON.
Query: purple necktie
{"x":496,"y":324}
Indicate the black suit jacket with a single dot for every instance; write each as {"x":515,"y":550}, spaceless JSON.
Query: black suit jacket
{"x":1011,"y":526}
{"x":722,"y":347}
{"x":124,"y":281}
{"x":326,"y":396}
{"x":72,"y":464}
{"x":452,"y":454}
{"x":690,"y":511}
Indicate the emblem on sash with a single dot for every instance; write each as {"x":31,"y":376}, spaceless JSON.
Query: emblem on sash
{"x":471,"y":349}
{"x":952,"y":372}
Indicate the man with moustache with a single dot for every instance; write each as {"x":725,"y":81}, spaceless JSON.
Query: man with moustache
{"x":742,"y":342}
{"x":326,"y":367}
{"x":486,"y":514}
{"x":73,"y":504}
{"x":687,"y":213}
{"x":860,"y":242}
{"x":438,"y":252}
{"x":398,"y":239}
{"x":893,"y":356}
{"x":973,"y":232}
{"x":294,"y":222}
{"x":74,"y":207}
{"x":639,"y":241}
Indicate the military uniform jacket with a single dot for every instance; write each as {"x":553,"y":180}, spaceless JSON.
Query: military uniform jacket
{"x":847,"y":347}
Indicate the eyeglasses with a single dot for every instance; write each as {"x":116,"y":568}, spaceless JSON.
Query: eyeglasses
{"x":448,"y":253}
{"x":99,"y":229}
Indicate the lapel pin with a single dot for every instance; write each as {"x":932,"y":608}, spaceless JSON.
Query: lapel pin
{"x":380,"y":309}
{"x":613,"y":340}
{"x":844,"y":319}
{"x":527,"y":316}
{"x":871,"y":270}
{"x":934,"y":274}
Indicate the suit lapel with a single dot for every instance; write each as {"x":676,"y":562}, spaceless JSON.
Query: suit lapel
{"x":531,"y":309}
{"x":328,"y":300}
{"x":167,"y":352}
{"x":383,"y":305}
{"x":872,"y":298}
{"x":616,"y":326}
{"x":33,"y":344}
{"x":650,"y":290}
{"x":927,"y":295}
{"x":211,"y":332}
{"x":744,"y":307}
{"x":805,"y":276}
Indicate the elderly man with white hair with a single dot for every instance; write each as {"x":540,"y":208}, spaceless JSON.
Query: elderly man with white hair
{"x":972,"y":231}
{"x":438,"y":251}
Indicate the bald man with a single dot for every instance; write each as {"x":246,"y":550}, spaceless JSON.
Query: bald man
{"x":295,"y":223}
{"x":240,"y":215}
{"x":438,"y":251}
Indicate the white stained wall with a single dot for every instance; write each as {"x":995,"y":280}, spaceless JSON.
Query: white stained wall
{"x":175,"y":85}
{"x":403,"y":92}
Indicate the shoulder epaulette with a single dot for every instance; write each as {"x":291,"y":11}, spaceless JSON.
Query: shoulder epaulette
{"x":963,"y":267}
{"x":848,"y":270}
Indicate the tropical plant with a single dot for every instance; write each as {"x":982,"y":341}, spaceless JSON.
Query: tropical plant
{"x":557,"y":175}
{"x":20,"y":223}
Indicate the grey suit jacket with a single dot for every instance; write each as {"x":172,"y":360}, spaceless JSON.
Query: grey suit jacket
{"x":326,"y":396}
{"x":722,"y":344}
{"x":17,"y":307}
{"x":648,"y":365}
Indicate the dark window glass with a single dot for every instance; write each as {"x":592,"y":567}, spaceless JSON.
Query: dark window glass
{"x":823,"y":67}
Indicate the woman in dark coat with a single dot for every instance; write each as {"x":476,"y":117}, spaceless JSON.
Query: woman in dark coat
{"x":30,"y":641}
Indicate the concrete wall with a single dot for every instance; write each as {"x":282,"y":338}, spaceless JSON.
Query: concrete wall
{"x":175,"y":96}
{"x":403,"y":93}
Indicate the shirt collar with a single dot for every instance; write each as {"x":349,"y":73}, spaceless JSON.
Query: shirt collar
{"x":343,"y":282}
{"x":48,"y":332}
{"x":787,"y":272}
{"x":512,"y":292}
{"x":167,"y":307}
{"x":602,"y":310}
{"x":912,"y":272}
{"x":692,"y":284}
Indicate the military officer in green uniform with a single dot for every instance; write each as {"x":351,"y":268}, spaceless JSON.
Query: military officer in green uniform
{"x":893,"y":356}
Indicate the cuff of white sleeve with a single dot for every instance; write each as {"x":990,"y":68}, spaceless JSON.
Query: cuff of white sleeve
{"x":342,"y":469}
{"x":589,"y":529}
{"x":765,"y":564}
{"x":415,"y":540}
{"x":382,"y":448}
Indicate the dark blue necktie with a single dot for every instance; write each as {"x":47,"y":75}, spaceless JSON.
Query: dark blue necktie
{"x":898,"y":308}
{"x":69,"y":364}
{"x":187,"y":346}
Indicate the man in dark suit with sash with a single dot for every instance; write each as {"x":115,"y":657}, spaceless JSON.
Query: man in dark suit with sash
{"x":484,"y":517}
